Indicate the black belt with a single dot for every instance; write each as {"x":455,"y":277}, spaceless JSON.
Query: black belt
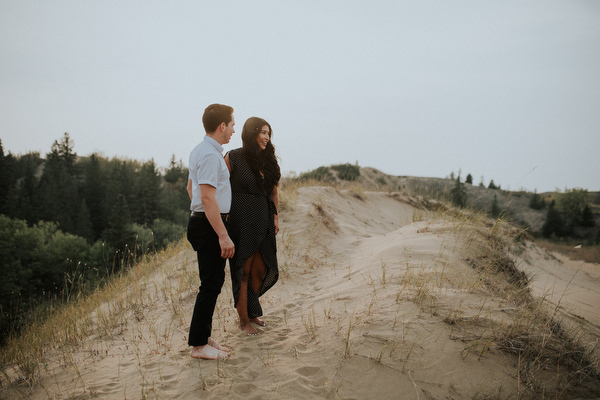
{"x":201,"y":214}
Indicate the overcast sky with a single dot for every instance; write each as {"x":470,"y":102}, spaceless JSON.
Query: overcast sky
{"x":504,"y":90}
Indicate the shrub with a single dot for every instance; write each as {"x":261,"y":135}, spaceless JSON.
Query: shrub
{"x":537,"y":202}
{"x":144,"y":238}
{"x":347,"y":172}
{"x":166,"y":232}
{"x":319,"y":174}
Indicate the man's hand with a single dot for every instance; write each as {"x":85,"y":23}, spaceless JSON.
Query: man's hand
{"x":211,"y":210}
{"x":227,"y":247}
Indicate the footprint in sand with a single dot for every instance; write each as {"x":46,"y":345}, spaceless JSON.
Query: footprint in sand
{"x":308,"y":371}
{"x":239,"y":360}
{"x":312,"y":377}
{"x":105,"y":388}
{"x":244,"y":388}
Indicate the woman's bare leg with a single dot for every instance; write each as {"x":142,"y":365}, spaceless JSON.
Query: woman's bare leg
{"x":242,"y":302}
{"x":257,"y":272}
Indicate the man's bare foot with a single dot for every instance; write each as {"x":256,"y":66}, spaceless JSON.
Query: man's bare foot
{"x":217,"y":346}
{"x":248,"y":329}
{"x":207,"y":352}
{"x":257,"y":321}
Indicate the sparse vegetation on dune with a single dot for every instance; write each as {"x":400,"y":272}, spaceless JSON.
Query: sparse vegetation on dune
{"x":379,"y":293}
{"x":556,"y":359}
{"x":88,"y":323}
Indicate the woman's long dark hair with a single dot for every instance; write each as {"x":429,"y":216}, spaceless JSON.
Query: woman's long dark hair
{"x":260,"y":160}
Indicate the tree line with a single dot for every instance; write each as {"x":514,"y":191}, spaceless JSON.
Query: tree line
{"x":568,"y":214}
{"x":68,"y":222}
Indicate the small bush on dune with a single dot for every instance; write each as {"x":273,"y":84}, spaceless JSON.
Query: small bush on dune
{"x":319,"y":174}
{"x":347,"y":172}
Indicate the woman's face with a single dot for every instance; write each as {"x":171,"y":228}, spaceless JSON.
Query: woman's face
{"x":263,"y":137}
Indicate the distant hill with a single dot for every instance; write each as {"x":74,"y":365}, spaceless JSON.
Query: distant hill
{"x":515,"y":203}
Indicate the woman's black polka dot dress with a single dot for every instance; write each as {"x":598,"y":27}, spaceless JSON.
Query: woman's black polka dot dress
{"x":252,"y":228}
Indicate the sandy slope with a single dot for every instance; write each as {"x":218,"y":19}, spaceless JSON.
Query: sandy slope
{"x":572,"y":286}
{"x":367,"y":281}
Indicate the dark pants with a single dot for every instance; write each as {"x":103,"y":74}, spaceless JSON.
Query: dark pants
{"x":212,"y":276}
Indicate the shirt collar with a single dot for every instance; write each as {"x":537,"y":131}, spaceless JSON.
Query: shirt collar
{"x":214,"y":143}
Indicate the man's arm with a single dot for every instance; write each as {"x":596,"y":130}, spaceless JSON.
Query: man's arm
{"x":189,"y":188}
{"x":213,"y":214}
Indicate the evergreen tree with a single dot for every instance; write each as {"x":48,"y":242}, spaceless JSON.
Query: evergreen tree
{"x":70,"y":200}
{"x":554,"y":225}
{"x":495,"y":211}
{"x":94,"y":194}
{"x":8,"y":180}
{"x":537,"y":202}
{"x":176,"y":172}
{"x":28,"y":197}
{"x":587,"y":217}
{"x":66,"y":153}
{"x":469,"y":179}
{"x":57,"y":189}
{"x":147,"y":191}
{"x":121,"y":180}
{"x":119,"y":232}
{"x":458,"y":195}
{"x":84,"y":223}
{"x":492,"y":185}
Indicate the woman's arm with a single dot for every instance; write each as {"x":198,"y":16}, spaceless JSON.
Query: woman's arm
{"x":227,"y":162}
{"x":275,"y":197}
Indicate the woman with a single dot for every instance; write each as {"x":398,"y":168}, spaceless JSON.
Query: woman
{"x":254,"y":221}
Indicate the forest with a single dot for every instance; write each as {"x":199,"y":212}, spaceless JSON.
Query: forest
{"x":68,"y":222}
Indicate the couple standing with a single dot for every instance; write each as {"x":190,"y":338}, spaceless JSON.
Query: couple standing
{"x":233,"y":215}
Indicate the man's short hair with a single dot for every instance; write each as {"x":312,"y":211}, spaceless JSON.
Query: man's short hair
{"x":214,"y":115}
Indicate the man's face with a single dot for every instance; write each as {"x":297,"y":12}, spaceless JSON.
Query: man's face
{"x":223,"y":136}
{"x":229,"y":130}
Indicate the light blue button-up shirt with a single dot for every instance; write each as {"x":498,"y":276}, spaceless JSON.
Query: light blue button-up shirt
{"x":207,"y":166}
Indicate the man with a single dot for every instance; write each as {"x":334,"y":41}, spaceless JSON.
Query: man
{"x":210,"y":193}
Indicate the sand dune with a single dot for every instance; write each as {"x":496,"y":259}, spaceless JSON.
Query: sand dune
{"x":375,"y":301}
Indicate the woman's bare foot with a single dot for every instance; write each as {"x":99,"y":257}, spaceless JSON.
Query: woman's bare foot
{"x":248,"y":329}
{"x":257,"y":321}
{"x":207,"y":352}
{"x":217,"y":346}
